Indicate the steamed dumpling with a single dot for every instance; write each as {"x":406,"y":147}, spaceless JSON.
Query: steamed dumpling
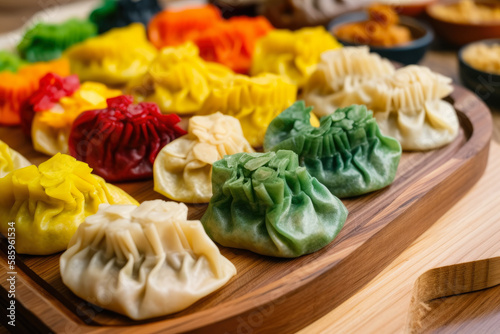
{"x":145,"y":261}
{"x":339,"y":75}
{"x":113,"y":58}
{"x":409,"y":107}
{"x":183,"y":168}
{"x":347,"y":152}
{"x":10,"y":160}
{"x":266,"y":203}
{"x":47,"y":203}
{"x":293,"y":55}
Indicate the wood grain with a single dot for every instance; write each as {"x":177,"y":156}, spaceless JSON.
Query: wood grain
{"x":268,"y":292}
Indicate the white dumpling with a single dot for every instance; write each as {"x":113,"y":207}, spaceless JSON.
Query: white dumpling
{"x":143,"y":262}
{"x":339,"y":75}
{"x":409,"y":107}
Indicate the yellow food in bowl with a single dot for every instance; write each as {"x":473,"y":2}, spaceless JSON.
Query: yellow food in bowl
{"x":467,"y":11}
{"x":483,"y":57}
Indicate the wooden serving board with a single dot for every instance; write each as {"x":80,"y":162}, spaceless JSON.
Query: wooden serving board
{"x":269,"y":294}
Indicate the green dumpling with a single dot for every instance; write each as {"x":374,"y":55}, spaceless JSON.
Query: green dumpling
{"x":47,"y":41}
{"x":10,"y":62}
{"x":347,"y":152}
{"x":267,"y":203}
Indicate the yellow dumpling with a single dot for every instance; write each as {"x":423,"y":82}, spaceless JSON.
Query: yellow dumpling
{"x":46,"y":204}
{"x":10,"y":160}
{"x":113,"y":58}
{"x":145,"y":261}
{"x":51,"y":128}
{"x":179,"y":80}
{"x":292,"y":54}
{"x":183,"y":168}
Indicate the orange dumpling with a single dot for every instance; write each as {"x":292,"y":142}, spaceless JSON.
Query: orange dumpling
{"x":16,"y":88}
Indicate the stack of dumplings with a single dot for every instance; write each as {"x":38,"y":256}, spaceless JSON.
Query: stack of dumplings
{"x":145,"y":261}
{"x":183,"y":168}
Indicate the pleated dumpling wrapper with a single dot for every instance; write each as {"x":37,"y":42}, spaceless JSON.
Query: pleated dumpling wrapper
{"x":121,"y":142}
{"x":347,"y":152}
{"x":10,"y":160}
{"x":183,"y":168}
{"x":52,"y":122}
{"x":336,"y":81}
{"x":143,"y":262}
{"x":267,"y":203}
{"x":179,"y":81}
{"x":16,"y":88}
{"x":47,"y":41}
{"x":409,"y":106}
{"x":47,"y":203}
{"x":292,"y":54}
{"x":113,"y":58}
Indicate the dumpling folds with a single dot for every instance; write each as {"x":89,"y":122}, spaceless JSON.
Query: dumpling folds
{"x":183,"y":168}
{"x":145,"y":261}
{"x":51,"y":128}
{"x":179,"y":81}
{"x":409,"y":107}
{"x":340,"y":73}
{"x":122,"y":141}
{"x":292,"y":54}
{"x":266,"y":203}
{"x":47,"y":203}
{"x":347,"y":153}
{"x":10,"y":160}
{"x":113,"y":58}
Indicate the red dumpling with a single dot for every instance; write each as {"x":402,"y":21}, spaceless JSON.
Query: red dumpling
{"x":121,"y":142}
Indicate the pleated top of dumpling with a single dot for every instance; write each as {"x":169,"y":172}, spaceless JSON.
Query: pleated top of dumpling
{"x":150,"y":260}
{"x":266,"y":203}
{"x":409,"y":106}
{"x":292,"y":54}
{"x":10,"y":160}
{"x":113,"y":58}
{"x":336,"y":81}
{"x":47,"y":203}
{"x":183,"y":168}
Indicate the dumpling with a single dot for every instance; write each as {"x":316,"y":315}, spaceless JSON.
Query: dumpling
{"x":16,"y":88}
{"x":10,"y":160}
{"x":145,"y":261}
{"x":266,"y":203}
{"x":47,"y":41}
{"x":10,"y":62}
{"x":113,"y":58}
{"x":175,"y":27}
{"x":122,"y":141}
{"x":254,"y":101}
{"x":409,"y":107}
{"x":340,"y":73}
{"x":179,"y":81}
{"x":292,"y":54}
{"x":183,"y":168}
{"x":347,"y":153}
{"x":47,"y":203}
{"x":119,"y":13}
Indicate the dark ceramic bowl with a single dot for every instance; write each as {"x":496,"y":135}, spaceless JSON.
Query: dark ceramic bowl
{"x":459,"y":34}
{"x":483,"y":84}
{"x":410,"y":53}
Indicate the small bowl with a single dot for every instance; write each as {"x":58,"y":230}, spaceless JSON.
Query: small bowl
{"x":459,"y":34}
{"x":414,"y":8}
{"x":483,"y":84}
{"x":410,"y":53}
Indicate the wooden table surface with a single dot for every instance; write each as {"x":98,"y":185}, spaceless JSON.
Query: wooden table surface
{"x":470,"y":231}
